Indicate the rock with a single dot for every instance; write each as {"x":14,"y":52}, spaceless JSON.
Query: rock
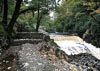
{"x":73,"y":68}
{"x":90,"y":69}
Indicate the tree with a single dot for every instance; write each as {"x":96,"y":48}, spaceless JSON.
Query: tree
{"x":80,"y":16}
{"x":41,"y":7}
{"x":8,"y":27}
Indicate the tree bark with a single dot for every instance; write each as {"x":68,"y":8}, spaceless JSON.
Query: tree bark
{"x":4,"y":24}
{"x":39,"y":17}
{"x":6,"y":40}
{"x":5,"y":14}
{"x":14,"y":17}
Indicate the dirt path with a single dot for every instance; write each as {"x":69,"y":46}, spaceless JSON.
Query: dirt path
{"x":27,"y":57}
{"x":31,"y":60}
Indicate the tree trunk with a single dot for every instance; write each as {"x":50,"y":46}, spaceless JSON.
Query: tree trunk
{"x":6,"y":40}
{"x":38,"y":24}
{"x":5,"y":14}
{"x":12,"y":21}
{"x":4,"y":24}
{"x":14,"y":16}
{"x":39,"y":17}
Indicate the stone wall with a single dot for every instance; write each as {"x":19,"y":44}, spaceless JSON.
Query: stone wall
{"x":28,"y":37}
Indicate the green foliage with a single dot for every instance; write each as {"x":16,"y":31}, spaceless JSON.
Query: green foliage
{"x":77,"y":16}
{"x":29,"y":19}
{"x":26,"y":22}
{"x":47,"y":24}
{"x":72,"y":17}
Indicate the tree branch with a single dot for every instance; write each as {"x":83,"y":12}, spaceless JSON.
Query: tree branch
{"x":28,"y":9}
{"x":95,"y":19}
